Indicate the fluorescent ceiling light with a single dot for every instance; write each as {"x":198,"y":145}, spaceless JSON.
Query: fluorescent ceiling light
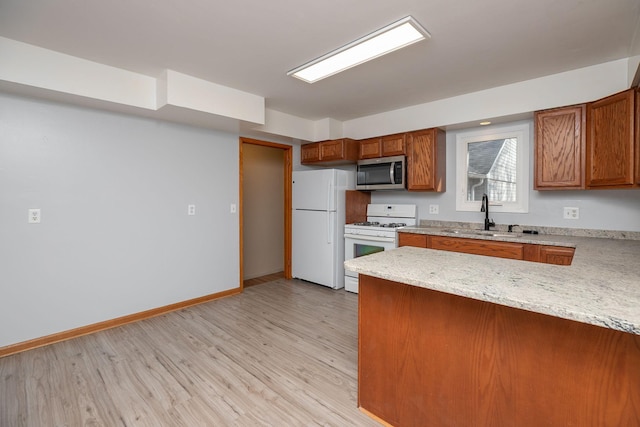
{"x":392,"y":37}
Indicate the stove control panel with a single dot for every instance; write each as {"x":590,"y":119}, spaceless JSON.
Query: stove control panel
{"x":359,"y":230}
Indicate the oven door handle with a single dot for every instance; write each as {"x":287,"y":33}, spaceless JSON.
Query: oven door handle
{"x":370,"y":238}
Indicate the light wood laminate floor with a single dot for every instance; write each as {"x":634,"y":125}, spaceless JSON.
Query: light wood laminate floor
{"x":263,"y":279}
{"x":282,"y":354}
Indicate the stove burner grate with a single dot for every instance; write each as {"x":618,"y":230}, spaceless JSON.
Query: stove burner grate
{"x":394,"y":225}
{"x":377,"y":224}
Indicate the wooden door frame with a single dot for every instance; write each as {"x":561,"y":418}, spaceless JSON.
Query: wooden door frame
{"x":288,"y":153}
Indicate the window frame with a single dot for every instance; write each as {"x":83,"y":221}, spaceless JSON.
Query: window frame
{"x":522,"y":132}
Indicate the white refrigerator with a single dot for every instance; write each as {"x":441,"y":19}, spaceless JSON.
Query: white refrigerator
{"x":318,"y":204}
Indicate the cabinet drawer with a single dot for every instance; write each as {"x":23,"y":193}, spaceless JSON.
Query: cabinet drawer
{"x":411,"y":239}
{"x":478,"y":247}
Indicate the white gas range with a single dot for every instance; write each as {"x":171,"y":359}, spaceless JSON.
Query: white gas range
{"x":376,"y":235}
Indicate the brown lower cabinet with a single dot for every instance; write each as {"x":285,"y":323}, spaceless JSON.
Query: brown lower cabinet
{"x":559,"y":255}
{"x":428,"y":358}
{"x":549,"y":254}
{"x":478,"y":247}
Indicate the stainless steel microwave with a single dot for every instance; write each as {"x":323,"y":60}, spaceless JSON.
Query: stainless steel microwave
{"x":384,"y":173}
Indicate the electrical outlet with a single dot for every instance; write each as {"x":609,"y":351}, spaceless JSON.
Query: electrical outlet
{"x":233,"y":208}
{"x":34,"y":216}
{"x":434,"y":209}
{"x":571,"y":213}
{"x":191,"y":209}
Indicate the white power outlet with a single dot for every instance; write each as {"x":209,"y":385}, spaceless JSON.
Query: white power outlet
{"x":191,"y":209}
{"x":434,"y":209}
{"x":571,"y":213}
{"x":233,"y":208}
{"x":34,"y":216}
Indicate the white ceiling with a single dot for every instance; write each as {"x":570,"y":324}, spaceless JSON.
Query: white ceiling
{"x":251,"y":44}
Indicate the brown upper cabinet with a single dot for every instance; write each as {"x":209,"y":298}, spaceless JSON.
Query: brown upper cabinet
{"x":595,"y":145}
{"x":426,"y":156}
{"x":334,"y":152}
{"x":611,"y":142}
{"x":394,"y":145}
{"x":637,"y":137}
{"x":425,"y":151}
{"x":560,"y":147}
{"x":310,"y":153}
{"x":370,"y":148}
{"x":385,"y":146}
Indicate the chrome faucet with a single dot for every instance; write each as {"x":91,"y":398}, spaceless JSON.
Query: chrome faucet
{"x":485,"y":208}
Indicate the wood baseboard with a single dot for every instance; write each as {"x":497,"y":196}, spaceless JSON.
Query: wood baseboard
{"x":113,"y":323}
{"x":372,"y":416}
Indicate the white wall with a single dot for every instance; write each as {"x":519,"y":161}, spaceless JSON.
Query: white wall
{"x":115,"y":238}
{"x":263,"y":210}
{"x":599,"y":209}
{"x":517,"y":99}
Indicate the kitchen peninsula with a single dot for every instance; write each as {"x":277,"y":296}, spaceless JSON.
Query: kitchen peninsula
{"x":448,"y":338}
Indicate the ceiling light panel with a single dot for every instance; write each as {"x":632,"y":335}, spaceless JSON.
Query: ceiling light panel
{"x":395,"y":36}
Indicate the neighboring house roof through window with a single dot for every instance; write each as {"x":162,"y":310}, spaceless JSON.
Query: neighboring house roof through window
{"x":482,"y":156}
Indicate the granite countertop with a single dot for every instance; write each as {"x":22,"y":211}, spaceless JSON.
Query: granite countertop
{"x":601,"y":286}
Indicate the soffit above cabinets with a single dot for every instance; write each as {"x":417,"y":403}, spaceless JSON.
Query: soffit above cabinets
{"x":249,"y":46}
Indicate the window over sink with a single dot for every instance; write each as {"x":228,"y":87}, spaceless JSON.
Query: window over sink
{"x":493,"y":160}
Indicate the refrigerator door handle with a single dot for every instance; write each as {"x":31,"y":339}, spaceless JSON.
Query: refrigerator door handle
{"x":329,"y":207}
{"x":329,"y":227}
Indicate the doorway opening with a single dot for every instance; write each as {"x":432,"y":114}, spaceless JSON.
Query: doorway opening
{"x":264,"y":211}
